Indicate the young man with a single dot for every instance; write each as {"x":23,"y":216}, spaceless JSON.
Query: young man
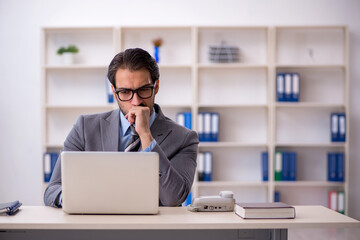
{"x":134,"y":76}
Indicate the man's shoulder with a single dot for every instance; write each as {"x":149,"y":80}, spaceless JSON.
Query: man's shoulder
{"x":96,"y":117}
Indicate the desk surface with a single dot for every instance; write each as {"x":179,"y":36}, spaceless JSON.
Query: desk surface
{"x":40,"y":217}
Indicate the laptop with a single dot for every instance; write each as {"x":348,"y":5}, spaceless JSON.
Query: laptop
{"x":110,"y":182}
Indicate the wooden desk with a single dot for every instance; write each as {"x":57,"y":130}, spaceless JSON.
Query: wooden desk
{"x":38,"y":222}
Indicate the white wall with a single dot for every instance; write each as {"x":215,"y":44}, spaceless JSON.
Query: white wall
{"x":20,"y":23}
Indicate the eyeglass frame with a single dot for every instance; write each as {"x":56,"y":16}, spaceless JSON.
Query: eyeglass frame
{"x":135,"y":91}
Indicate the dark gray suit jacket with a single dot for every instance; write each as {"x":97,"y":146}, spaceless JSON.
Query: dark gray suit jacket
{"x":177,"y":147}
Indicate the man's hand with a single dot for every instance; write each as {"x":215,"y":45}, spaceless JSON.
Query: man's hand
{"x":141,"y":117}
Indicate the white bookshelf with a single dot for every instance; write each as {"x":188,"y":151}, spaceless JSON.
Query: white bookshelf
{"x":243,"y":93}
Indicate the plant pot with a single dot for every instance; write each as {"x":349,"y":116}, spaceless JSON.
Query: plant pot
{"x":68,"y":58}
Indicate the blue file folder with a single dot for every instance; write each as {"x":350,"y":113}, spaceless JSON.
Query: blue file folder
{"x":295,"y":87}
{"x":280,"y":87}
{"x":265,"y":166}
{"x":208,"y":166}
{"x":332,"y":167}
{"x":340,"y":160}
{"x":292,"y":166}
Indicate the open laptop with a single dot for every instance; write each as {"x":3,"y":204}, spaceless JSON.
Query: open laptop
{"x":110,"y":182}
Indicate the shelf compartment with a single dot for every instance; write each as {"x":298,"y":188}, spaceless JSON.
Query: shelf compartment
{"x":241,"y":125}
{"x":320,"y":85}
{"x":252,"y":43}
{"x":238,"y":86}
{"x":96,"y":45}
{"x":310,"y":45}
{"x":176,"y":48}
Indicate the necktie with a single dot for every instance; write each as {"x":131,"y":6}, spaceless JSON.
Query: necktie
{"x":134,"y":143}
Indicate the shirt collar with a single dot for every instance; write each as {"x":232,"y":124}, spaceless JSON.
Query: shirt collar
{"x":124,"y":123}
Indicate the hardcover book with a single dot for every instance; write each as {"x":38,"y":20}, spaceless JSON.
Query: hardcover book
{"x":264,"y":210}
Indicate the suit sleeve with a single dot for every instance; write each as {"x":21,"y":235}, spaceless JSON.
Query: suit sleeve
{"x":74,"y":142}
{"x":177,"y":172}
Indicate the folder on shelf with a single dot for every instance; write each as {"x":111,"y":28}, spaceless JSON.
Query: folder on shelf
{"x":292,"y":166}
{"x":280,"y":85}
{"x":333,"y":200}
{"x":200,"y":127}
{"x":184,"y":119}
{"x":109,"y":93}
{"x":188,"y":120}
{"x":342,"y":127}
{"x":341,"y":202}
{"x":332,"y":166}
{"x":288,"y":80}
{"x":334,"y":127}
{"x":208,"y":166}
{"x":276,"y":196}
{"x":214,"y":127}
{"x":340,"y":163}
{"x":278,"y":166}
{"x":200,"y":166}
{"x":50,"y":159}
{"x":295,"y":87}
{"x":285,"y":166}
{"x":207,"y":126}
{"x":265,"y":166}
{"x":180,"y":119}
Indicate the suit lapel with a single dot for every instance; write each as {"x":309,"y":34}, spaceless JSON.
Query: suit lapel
{"x":159,"y":128}
{"x":109,"y":127}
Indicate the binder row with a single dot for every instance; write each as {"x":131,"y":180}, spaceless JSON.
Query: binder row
{"x":184,"y":119}
{"x":287,"y":87}
{"x":204,"y":166}
{"x":285,"y":166}
{"x":338,"y":127}
{"x":336,"y":166}
{"x":208,"y":126}
{"x":50,"y":159}
{"x":337,"y":201}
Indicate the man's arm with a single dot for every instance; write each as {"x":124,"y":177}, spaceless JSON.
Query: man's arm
{"x":74,"y":142}
{"x":177,"y":175}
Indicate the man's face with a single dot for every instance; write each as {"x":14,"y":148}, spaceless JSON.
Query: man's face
{"x":124,"y":78}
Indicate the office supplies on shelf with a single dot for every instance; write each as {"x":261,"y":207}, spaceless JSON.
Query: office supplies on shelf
{"x":223,"y":53}
{"x":288,"y":87}
{"x":332,"y":166}
{"x":224,"y":202}
{"x":184,"y":119}
{"x":200,"y":127}
{"x":288,"y":79}
{"x":280,"y":84}
{"x":340,"y":167}
{"x":200,"y":166}
{"x":295,"y":87}
{"x":10,"y":208}
{"x":264,"y":210}
{"x":265,"y":166}
{"x":285,"y":166}
{"x":208,"y":126}
{"x":278,"y":166}
{"x":335,"y":167}
{"x":214,"y":127}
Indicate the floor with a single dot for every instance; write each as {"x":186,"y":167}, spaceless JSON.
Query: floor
{"x":326,"y":234}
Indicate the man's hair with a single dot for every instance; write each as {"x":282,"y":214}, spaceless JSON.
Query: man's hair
{"x":133,"y":59}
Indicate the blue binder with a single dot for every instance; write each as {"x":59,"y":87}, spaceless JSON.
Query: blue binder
{"x":200,"y":126}
{"x":50,"y":159}
{"x":285,"y":166}
{"x":201,"y":166}
{"x":295,"y":87}
{"x":208,"y":166}
{"x":334,"y":127}
{"x":292,"y":166}
{"x":332,"y":167}
{"x":180,"y":119}
{"x":340,"y":160}
{"x":265,"y":166}
{"x":276,"y":196}
{"x":207,"y":127}
{"x":342,"y":127}
{"x":214,"y":127}
{"x":188,"y":120}
{"x":280,"y":87}
{"x":288,"y":87}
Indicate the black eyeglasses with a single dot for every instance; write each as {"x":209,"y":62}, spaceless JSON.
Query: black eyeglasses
{"x":126,"y":94}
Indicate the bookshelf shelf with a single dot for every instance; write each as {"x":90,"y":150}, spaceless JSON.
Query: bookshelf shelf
{"x":243,"y":93}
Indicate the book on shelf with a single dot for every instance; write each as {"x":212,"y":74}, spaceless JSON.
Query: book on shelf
{"x":184,"y":119}
{"x":338,"y":127}
{"x":208,"y":126}
{"x":50,"y":159}
{"x":204,"y":166}
{"x":336,"y":201}
{"x":275,"y":210}
{"x":336,"y":167}
{"x":287,"y":87}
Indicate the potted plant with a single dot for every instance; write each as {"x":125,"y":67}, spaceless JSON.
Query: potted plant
{"x":68,"y":53}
